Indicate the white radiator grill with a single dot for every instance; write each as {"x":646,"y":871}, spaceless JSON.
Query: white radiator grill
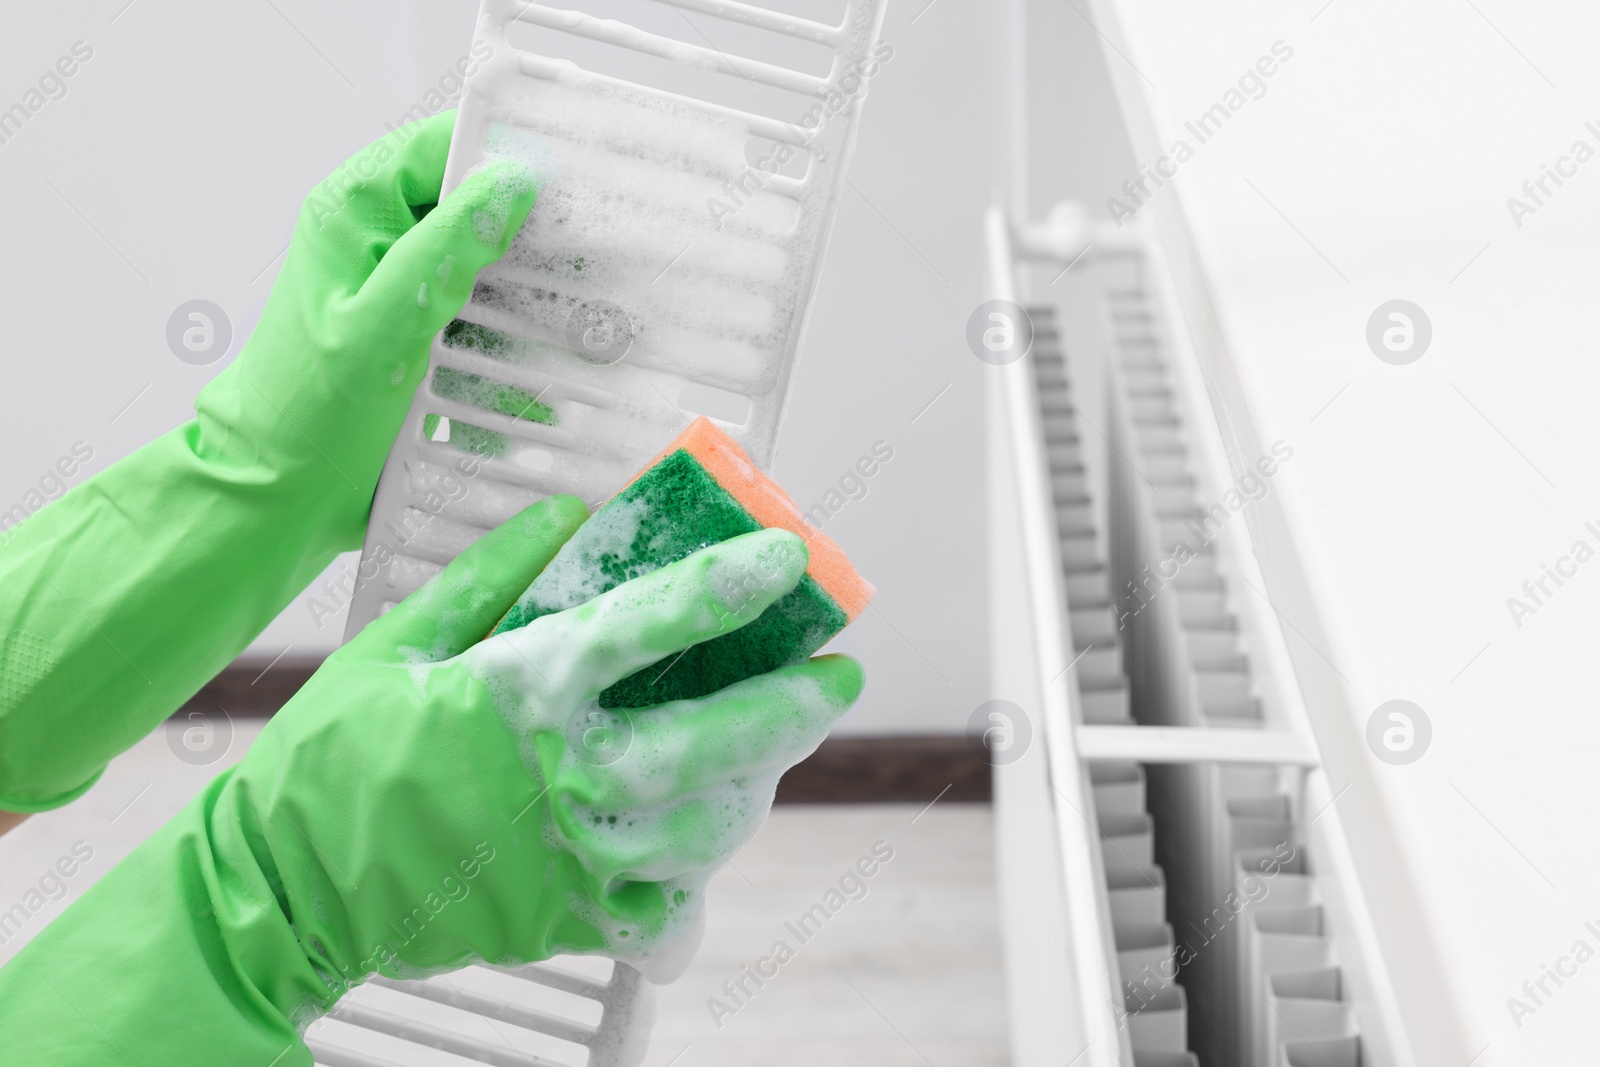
{"x":663,"y":273}
{"x":1223,"y":932}
{"x":628,"y":303}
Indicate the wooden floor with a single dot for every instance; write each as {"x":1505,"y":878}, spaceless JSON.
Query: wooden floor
{"x":908,"y":972}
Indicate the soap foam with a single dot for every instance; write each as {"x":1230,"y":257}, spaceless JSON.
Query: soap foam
{"x":623,"y":216}
{"x":681,"y":796}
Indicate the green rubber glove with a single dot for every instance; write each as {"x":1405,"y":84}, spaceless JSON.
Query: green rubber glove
{"x":425,"y":802}
{"x":124,"y":597}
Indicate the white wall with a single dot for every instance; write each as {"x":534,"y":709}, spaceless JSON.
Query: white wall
{"x":173,"y":167}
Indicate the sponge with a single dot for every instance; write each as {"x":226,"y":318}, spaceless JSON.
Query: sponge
{"x":700,"y":491}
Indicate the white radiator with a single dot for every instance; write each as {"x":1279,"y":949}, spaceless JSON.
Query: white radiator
{"x":1175,"y":879}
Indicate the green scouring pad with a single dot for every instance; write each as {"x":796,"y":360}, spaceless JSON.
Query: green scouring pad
{"x":701,"y":491}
